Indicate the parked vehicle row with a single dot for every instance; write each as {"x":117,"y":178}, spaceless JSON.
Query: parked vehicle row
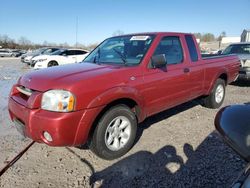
{"x":11,"y":53}
{"x":119,"y":84}
{"x":48,"y":57}
{"x":59,"y":57}
{"x":27,"y":58}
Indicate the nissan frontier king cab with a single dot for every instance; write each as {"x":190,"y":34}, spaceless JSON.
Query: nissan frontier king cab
{"x":120,"y":83}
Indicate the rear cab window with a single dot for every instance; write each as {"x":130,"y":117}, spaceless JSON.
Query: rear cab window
{"x":191,"y":48}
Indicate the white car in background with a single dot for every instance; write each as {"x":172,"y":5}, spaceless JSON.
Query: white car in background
{"x":27,"y":58}
{"x":59,"y":57}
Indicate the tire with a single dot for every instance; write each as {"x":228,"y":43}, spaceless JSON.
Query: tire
{"x":52,"y":64}
{"x":216,"y":97}
{"x":110,"y":140}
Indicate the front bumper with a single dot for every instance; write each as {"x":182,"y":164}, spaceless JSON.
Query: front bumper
{"x":66,"y":129}
{"x":244,"y":73}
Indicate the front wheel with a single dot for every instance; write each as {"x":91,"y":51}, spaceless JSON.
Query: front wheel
{"x":115,"y":133}
{"x":216,"y":97}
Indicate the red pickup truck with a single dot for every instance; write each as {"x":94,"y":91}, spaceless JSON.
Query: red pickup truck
{"x":123,"y":81}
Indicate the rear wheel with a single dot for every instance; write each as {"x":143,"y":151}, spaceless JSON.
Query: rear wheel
{"x":115,"y":133}
{"x":216,"y":97}
{"x":52,"y":64}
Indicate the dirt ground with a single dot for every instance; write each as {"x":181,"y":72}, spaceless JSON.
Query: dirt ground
{"x":176,"y":148}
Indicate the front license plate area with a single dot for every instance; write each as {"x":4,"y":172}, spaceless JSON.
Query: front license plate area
{"x":20,"y":127}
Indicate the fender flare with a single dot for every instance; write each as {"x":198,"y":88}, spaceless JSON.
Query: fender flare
{"x":101,"y":101}
{"x":223,"y":71}
{"x":116,"y":93}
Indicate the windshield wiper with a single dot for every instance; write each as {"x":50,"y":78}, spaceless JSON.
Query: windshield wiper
{"x":120,"y":55}
{"x":96,"y":61}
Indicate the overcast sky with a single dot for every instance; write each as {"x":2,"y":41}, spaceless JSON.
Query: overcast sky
{"x":55,"y":20}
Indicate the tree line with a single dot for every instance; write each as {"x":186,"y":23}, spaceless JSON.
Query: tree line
{"x":26,"y":44}
{"x":209,"y":37}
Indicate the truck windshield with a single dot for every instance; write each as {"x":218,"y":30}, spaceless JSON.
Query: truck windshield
{"x":128,"y":49}
{"x":237,"y":49}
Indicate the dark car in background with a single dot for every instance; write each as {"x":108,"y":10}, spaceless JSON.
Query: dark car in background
{"x":18,"y":53}
{"x":243,"y":51}
{"x":26,"y":58}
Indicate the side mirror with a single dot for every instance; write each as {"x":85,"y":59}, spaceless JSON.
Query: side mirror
{"x":159,"y":61}
{"x":219,"y":52}
{"x":233,"y":123}
{"x":64,"y":54}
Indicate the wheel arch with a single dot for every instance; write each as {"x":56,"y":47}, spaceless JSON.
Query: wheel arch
{"x":119,"y":95}
{"x":131,"y":103}
{"x":222,"y":75}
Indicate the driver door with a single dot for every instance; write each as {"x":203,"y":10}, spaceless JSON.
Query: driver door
{"x":167,"y":87}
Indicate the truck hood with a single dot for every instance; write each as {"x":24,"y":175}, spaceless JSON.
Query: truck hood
{"x":64,"y":77}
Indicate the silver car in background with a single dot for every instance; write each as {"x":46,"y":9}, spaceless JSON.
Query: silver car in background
{"x":241,"y":49}
{"x":6,"y":53}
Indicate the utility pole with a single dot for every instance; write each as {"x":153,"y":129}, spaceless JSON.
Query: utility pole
{"x":76,"y":29}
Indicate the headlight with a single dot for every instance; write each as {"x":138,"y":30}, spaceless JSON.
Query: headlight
{"x":40,"y":60}
{"x":58,"y":101}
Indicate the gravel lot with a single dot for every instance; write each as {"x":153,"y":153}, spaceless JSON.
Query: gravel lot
{"x":176,"y":148}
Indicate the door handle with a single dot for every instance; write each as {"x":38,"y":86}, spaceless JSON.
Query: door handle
{"x":186,"y":70}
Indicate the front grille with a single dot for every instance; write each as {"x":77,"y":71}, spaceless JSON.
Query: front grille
{"x":26,"y":97}
{"x":24,"y":90}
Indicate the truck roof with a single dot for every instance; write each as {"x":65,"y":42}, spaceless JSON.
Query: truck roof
{"x":156,"y":33}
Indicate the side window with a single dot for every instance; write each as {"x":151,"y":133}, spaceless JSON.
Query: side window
{"x":47,"y":51}
{"x":191,"y":48}
{"x":80,"y":52}
{"x":54,"y":49}
{"x":70,"y":52}
{"x":171,"y":48}
{"x":63,"y":52}
{"x":67,"y":52}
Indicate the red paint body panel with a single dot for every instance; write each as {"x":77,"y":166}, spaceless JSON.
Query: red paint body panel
{"x":67,"y":129}
{"x":95,"y":86}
